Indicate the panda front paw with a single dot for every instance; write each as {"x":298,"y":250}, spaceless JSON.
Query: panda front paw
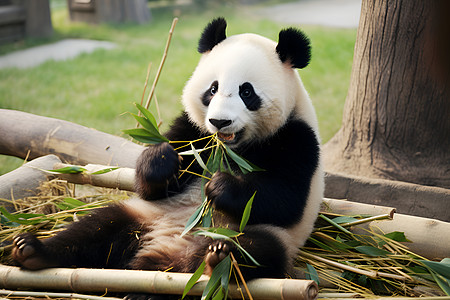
{"x":224,"y":191}
{"x":156,"y":167}
{"x":29,"y":252}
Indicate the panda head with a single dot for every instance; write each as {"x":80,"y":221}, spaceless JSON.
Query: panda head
{"x":245,"y":87}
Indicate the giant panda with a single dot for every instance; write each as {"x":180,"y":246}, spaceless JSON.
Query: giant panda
{"x":247,"y":90}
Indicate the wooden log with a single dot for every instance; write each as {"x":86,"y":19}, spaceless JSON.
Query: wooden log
{"x":72,"y":143}
{"x":24,"y":181}
{"x":130,"y":281}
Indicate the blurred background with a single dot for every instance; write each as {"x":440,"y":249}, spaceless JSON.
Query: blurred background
{"x":96,"y":88}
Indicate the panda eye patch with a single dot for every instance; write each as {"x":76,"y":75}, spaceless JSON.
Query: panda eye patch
{"x":209,"y":94}
{"x":251,"y":99}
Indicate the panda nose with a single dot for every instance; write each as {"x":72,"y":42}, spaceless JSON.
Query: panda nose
{"x":219,"y":124}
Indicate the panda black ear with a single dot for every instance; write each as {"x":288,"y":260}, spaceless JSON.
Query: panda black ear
{"x":294,"y":48}
{"x":213,"y":34}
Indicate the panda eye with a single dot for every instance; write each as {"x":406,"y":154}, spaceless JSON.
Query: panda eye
{"x":251,"y":100}
{"x":246,"y":91}
{"x":214,"y":87}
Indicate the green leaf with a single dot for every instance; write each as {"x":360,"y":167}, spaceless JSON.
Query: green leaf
{"x":147,"y":114}
{"x":145,"y":136}
{"x":244,"y":164}
{"x":371,"y":251}
{"x":194,"y":219}
{"x":246,"y":214}
{"x":224,"y":231}
{"x":215,"y":280}
{"x":442,"y":268}
{"x":218,"y":236}
{"x":199,"y":159}
{"x":321,"y":245}
{"x":335,"y":224}
{"x":226,"y":274}
{"x":194,"y":278}
{"x":311,"y":273}
{"x":344,"y":219}
{"x":207,"y":217}
{"x":23,"y":219}
{"x":6,"y":222}
{"x":219,"y":295}
{"x":69,"y":170}
{"x":397,"y":236}
{"x":69,"y":203}
{"x":104,"y":171}
{"x":443,"y":283}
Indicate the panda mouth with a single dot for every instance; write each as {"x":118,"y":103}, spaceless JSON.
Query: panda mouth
{"x":226,"y":137}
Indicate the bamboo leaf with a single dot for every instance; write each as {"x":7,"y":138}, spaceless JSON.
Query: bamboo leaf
{"x":69,"y":203}
{"x":244,"y":164}
{"x":397,"y":236}
{"x":224,"y":231}
{"x":441,"y":268}
{"x":371,"y":251}
{"x":335,"y":224}
{"x":199,"y":159}
{"x":194,"y":278}
{"x":246,"y":214}
{"x":194,"y":219}
{"x":146,"y":123}
{"x":344,"y":219}
{"x":219,"y":295}
{"x":104,"y":171}
{"x":145,"y":136}
{"x":69,"y":170}
{"x":23,"y":219}
{"x":147,"y":114}
{"x":207,"y":218}
{"x":443,"y":283}
{"x":218,"y":236}
{"x":312,"y":273}
{"x":215,"y":280}
{"x":226,"y":274}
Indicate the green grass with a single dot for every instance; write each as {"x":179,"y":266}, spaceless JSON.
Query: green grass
{"x":95,"y":89}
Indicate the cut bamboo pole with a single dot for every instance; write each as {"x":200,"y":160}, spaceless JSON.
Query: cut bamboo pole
{"x":122,"y":178}
{"x":429,"y":237}
{"x":349,"y":208}
{"x":153,"y":282}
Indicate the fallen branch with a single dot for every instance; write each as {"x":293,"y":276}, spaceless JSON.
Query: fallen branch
{"x":128,"y":281}
{"x":72,"y":143}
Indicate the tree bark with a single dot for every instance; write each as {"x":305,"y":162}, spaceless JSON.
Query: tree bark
{"x":396,"y":122}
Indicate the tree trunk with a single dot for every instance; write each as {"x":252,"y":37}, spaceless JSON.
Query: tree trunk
{"x":396,"y":122}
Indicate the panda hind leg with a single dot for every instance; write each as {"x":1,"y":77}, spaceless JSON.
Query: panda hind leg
{"x":264,"y":246}
{"x":30,"y":253}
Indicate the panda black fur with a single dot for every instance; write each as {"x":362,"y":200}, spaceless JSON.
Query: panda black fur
{"x":246,"y":88}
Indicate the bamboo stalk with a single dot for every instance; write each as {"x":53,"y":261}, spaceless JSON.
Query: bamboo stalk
{"x":349,"y":208}
{"x":238,"y":270}
{"x":122,"y":178}
{"x":158,"y":73}
{"x":8,"y":293}
{"x":153,"y":282}
{"x":371,"y":274}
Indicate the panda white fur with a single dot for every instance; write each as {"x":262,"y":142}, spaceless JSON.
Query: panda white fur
{"x":247,"y":89}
